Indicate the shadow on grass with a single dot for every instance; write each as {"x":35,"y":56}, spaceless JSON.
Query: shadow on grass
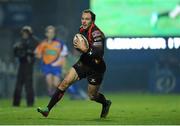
{"x":49,"y":118}
{"x":103,"y":120}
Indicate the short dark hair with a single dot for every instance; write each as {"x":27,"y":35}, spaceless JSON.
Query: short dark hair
{"x":50,"y":27}
{"x":27,"y":29}
{"x":93,"y":16}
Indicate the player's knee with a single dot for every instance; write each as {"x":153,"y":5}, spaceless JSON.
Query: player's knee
{"x":92,"y":97}
{"x":63,"y":85}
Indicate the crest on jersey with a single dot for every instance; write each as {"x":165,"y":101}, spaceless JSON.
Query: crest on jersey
{"x":96,"y":33}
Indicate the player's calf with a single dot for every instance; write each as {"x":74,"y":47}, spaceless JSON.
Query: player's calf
{"x":105,"y":109}
{"x":100,"y":98}
{"x":54,"y":99}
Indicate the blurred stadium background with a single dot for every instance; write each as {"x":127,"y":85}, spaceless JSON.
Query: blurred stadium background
{"x":140,"y":58}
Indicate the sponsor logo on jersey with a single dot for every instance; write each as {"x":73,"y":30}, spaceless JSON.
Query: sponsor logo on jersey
{"x":96,"y":33}
{"x":97,"y":43}
{"x":92,"y":80}
{"x":97,"y":39}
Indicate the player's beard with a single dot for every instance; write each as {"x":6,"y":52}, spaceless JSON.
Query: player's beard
{"x":86,"y":26}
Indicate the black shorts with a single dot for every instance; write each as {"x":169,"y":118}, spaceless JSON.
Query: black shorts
{"x":94,"y":76}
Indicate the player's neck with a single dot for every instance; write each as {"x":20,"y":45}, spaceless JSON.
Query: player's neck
{"x":49,"y":40}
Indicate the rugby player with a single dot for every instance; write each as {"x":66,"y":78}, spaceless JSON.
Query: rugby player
{"x":91,"y":66}
{"x":50,"y":53}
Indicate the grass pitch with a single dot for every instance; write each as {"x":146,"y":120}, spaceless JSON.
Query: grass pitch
{"x":127,"y":108}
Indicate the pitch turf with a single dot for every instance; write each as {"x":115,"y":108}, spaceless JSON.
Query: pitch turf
{"x":127,"y":108}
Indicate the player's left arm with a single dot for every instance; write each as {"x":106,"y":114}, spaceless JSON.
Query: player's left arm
{"x":62,"y":57}
{"x":96,"y":50}
{"x":39,"y":50}
{"x":60,"y":61}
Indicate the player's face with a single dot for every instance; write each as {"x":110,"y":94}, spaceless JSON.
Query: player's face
{"x":25,"y":35}
{"x":86,"y":20}
{"x":50,"y":34}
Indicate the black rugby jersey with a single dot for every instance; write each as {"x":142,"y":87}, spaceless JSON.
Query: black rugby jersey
{"x":96,"y":39}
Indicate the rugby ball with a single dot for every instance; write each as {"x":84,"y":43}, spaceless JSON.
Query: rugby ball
{"x":81,"y":39}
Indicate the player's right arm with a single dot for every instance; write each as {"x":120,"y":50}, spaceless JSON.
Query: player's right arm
{"x":39,"y":50}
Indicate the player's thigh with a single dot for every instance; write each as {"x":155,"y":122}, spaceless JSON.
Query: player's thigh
{"x":93,"y":90}
{"x":94,"y":77}
{"x":49,"y":79}
{"x":71,"y":77}
{"x":56,"y":80}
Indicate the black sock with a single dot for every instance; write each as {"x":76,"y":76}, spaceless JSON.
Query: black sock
{"x":101,"y":99}
{"x":55,"y":98}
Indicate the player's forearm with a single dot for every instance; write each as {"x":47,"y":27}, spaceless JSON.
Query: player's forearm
{"x":59,"y":62}
{"x":38,"y":56}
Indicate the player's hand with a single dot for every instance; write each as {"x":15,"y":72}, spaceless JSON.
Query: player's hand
{"x":55,"y":64}
{"x":59,"y":62}
{"x":80,"y":45}
{"x":18,"y":45}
